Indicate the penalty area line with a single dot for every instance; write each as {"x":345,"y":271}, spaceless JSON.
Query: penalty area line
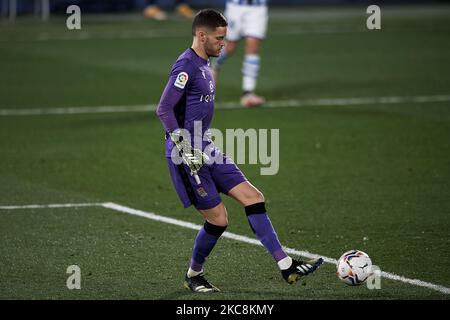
{"x":228,"y":235}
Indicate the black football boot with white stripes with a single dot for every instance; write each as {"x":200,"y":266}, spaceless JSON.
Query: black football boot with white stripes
{"x":299,"y":269}
{"x":198,"y":283}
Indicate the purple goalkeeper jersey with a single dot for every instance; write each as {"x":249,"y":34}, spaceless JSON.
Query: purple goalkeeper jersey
{"x":188,"y":97}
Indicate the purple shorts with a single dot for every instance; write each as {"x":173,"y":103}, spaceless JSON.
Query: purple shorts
{"x":215,"y":178}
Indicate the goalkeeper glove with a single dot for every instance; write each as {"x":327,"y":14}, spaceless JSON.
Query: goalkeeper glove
{"x":192,"y":157}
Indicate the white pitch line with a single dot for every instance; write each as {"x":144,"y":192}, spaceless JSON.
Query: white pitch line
{"x":63,"y":205}
{"x":75,"y":110}
{"x":150,"y":215}
{"x":416,"y":282}
{"x":234,"y":105}
{"x":229,"y":235}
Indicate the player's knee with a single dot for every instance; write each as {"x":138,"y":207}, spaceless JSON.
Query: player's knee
{"x":252,"y":50}
{"x":219,"y":220}
{"x":215,"y":227}
{"x":252,"y":46}
{"x":252,"y":196}
{"x":257,"y":196}
{"x":225,"y":223}
{"x":261,"y":197}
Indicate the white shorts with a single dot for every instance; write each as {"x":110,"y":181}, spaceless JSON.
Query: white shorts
{"x":246,"y":21}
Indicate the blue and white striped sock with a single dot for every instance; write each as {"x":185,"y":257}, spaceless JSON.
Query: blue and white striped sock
{"x":250,"y":71}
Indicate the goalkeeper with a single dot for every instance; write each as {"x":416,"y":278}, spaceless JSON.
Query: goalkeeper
{"x":187,"y":100}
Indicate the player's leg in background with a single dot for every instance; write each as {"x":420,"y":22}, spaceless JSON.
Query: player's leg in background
{"x":183,"y":9}
{"x":250,"y":73}
{"x":227,"y":51}
{"x":216,"y":221}
{"x":154,"y":10}
{"x":234,"y":14}
{"x":254,"y":30}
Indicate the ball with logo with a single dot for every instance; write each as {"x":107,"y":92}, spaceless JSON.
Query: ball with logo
{"x":354,"y":267}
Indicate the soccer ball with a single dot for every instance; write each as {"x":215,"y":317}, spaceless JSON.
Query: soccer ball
{"x":354,"y":267}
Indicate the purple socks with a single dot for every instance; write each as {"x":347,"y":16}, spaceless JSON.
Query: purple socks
{"x":204,"y":243}
{"x":262,"y":227}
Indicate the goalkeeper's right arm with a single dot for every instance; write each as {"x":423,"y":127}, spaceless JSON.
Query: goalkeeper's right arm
{"x":172,"y":94}
{"x":192,"y":157}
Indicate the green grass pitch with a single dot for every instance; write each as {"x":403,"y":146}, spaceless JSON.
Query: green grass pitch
{"x":374,"y":177}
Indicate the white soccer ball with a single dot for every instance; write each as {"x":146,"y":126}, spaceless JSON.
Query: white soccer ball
{"x":354,"y":267}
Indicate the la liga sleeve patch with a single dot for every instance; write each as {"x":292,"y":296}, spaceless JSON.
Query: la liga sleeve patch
{"x":182,"y":79}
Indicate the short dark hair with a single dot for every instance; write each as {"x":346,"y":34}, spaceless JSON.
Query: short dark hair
{"x":208,"y":18}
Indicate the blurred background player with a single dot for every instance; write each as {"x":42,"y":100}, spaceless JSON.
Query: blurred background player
{"x":247,"y":19}
{"x":155,"y":9}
